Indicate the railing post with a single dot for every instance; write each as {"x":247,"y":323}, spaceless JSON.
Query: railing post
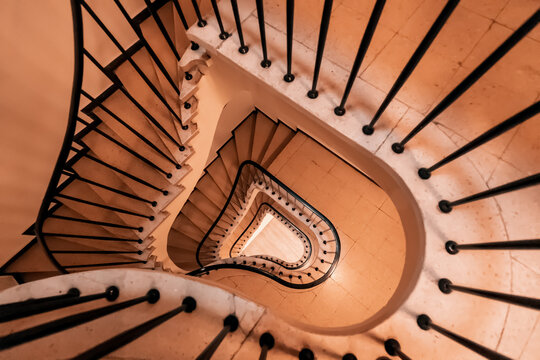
{"x":289,"y":77}
{"x":162,"y":28}
{"x":513,"y":121}
{"x":453,"y":248}
{"x":476,"y":74}
{"x":362,"y":49}
{"x":265,"y":63}
{"x":413,"y":62}
{"x":201,"y":22}
{"x":222,"y":33}
{"x":243,"y":49}
{"x":425,"y":323}
{"x":447,"y":287}
{"x":446,"y":206}
{"x":323,"y":32}
{"x":266,"y":341}
{"x":393,"y":348}
{"x":230,"y":324}
{"x":349,"y":356}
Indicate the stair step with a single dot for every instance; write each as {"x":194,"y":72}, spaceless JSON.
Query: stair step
{"x":280,"y":139}
{"x":262,"y":136}
{"x":243,"y":138}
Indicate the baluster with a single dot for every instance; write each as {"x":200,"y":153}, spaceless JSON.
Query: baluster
{"x":266,"y":341}
{"x":162,"y":29}
{"x":94,"y":222}
{"x":349,"y":356}
{"x":425,"y":323}
{"x":446,"y":206}
{"x":243,"y":49}
{"x":115,"y":209}
{"x":362,"y":49}
{"x":230,"y":324}
{"x":265,"y":63}
{"x":194,"y":45}
{"x":393,"y":348}
{"x":492,"y":133}
{"x":30,"y":307}
{"x":289,"y":77}
{"x":105,"y":264}
{"x":323,"y":32}
{"x":453,"y":248}
{"x":476,"y":74}
{"x":223,"y":34}
{"x":447,"y":287}
{"x":201,"y":22}
{"x":97,"y":352}
{"x":413,"y":62}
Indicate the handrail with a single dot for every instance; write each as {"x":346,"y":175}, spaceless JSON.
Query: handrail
{"x":266,"y":256}
{"x":331,"y":227}
{"x":76,"y":16}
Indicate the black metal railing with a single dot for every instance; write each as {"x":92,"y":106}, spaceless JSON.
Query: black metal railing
{"x":252,"y":177}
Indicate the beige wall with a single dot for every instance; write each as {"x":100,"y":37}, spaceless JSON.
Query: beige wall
{"x":36,"y":71}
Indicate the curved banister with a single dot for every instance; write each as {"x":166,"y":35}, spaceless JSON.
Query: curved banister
{"x":266,"y":257}
{"x":205,"y":269}
{"x":70,"y":130}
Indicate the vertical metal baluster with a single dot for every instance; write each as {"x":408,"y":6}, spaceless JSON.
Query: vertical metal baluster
{"x":230,"y":324}
{"x":446,"y":206}
{"x":201,"y":22}
{"x":469,"y":81}
{"x":413,"y":61}
{"x":492,"y":133}
{"x":323,"y":32}
{"x":362,"y":49}
{"x":533,"y":244}
{"x":266,"y":341}
{"x":265,"y":63}
{"x":162,"y":28}
{"x":243,"y":49}
{"x":223,"y":34}
{"x":289,"y":77}
{"x":393,"y":348}
{"x":194,"y":45}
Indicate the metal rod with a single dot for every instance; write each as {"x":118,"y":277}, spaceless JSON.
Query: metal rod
{"x":222,"y":34}
{"x":93,"y":237}
{"x":112,"y":208}
{"x":289,"y":76}
{"x":243,"y":49}
{"x":68,"y":322}
{"x":97,"y":352}
{"x":266,"y":341}
{"x":425,"y":323}
{"x":181,"y":14}
{"x":230,"y":324}
{"x":476,"y":74}
{"x":446,"y":206}
{"x":492,"y":133}
{"x":162,"y":28}
{"x":323,"y":32}
{"x":362,"y":50}
{"x":265,"y":63}
{"x":106,"y":264}
{"x":136,"y":28}
{"x":101,"y":223}
{"x":120,"y":192}
{"x":201,"y":22}
{"x":53,"y":303}
{"x":447,"y":287}
{"x":534,"y":244}
{"x":413,"y":62}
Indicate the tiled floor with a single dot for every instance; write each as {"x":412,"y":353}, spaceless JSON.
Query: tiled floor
{"x":372,"y":241}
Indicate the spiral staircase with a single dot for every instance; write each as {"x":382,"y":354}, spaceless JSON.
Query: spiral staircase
{"x":181,"y":137}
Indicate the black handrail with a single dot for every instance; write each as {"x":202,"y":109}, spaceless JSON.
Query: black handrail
{"x":309,"y":246}
{"x":76,"y":15}
{"x":294,"y":196}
